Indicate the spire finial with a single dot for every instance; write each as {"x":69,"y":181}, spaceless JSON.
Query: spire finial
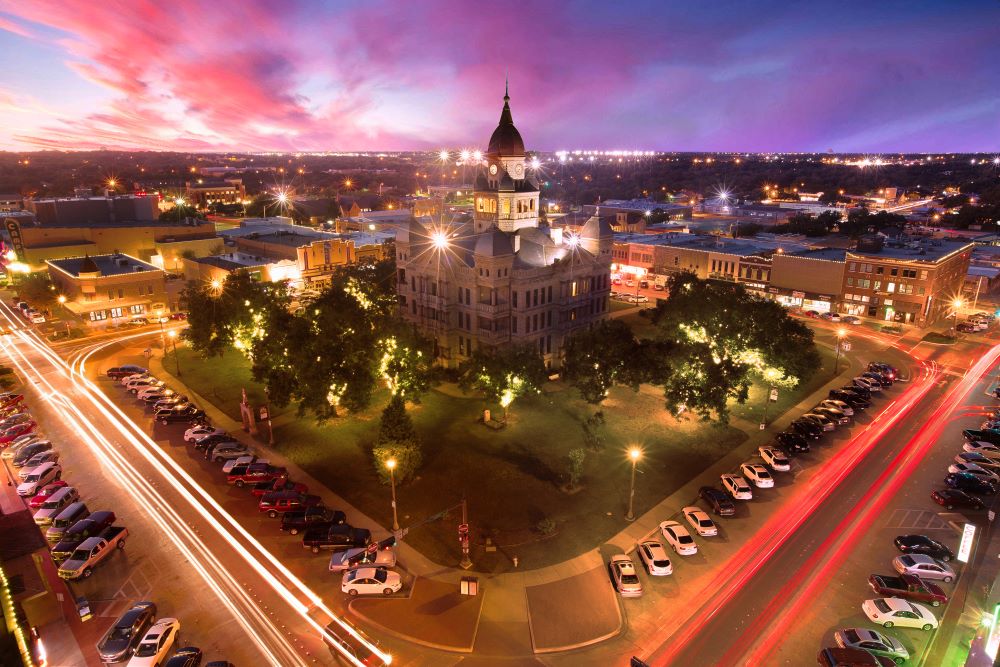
{"x":506,"y":86}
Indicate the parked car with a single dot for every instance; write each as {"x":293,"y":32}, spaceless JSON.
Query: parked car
{"x":850,"y":319}
{"x":171,"y":401}
{"x":124,"y":635}
{"x":867,"y":383}
{"x":213,"y":439}
{"x":885,"y":369}
{"x":25,"y":454}
{"x":890,"y":612}
{"x":717,"y":500}
{"x":226,"y":451}
{"x":909,"y":587}
{"x":700,"y":521}
{"x":196,"y":432}
{"x":992,"y":436}
{"x":654,"y":557}
{"x":255,"y":472}
{"x":984,"y":448}
{"x":851,"y":657}
{"x":838,"y":406}
{"x":792,"y":442}
{"x":881,"y":380}
{"x":8,"y":399}
{"x":757,"y":474}
{"x":821,"y":420}
{"x":678,"y":538}
{"x":189,"y":656}
{"x":921,"y":544}
{"x":775,"y":458}
{"x":377,"y":581}
{"x":154,"y":647}
{"x":39,"y":477}
{"x":833,"y":414}
{"x":261,"y":488}
{"x":12,"y":433}
{"x":830,"y":317}
{"x":872,"y":641}
{"x":362,"y":557}
{"x":963,"y":481}
{"x":311,"y":518}
{"x":42,"y":457}
{"x":736,"y":487}
{"x":279,"y":502}
{"x":953,"y":498}
{"x":118,"y":372}
{"x":855,"y":400}
{"x":178,"y":413}
{"x":624,"y":576}
{"x":337,"y":537}
{"x":980,"y":460}
{"x":91,"y":552}
{"x":971,"y":469}
{"x":46,"y":491}
{"x":68,"y":539}
{"x":924,"y":567}
{"x":53,"y":507}
{"x":14,"y":447}
{"x":806,"y":429}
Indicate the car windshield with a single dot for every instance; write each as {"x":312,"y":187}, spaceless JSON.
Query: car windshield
{"x":882,"y":606}
{"x":80,"y":554}
{"x":381,"y":575}
{"x":146,"y":649}
{"x":121,"y":633}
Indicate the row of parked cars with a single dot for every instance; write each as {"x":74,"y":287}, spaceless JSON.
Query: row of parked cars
{"x":974,"y":473}
{"x":144,"y":640}
{"x":29,"y":313}
{"x":980,"y":321}
{"x":836,"y":411}
{"x":364,"y":564}
{"x":167,"y":405}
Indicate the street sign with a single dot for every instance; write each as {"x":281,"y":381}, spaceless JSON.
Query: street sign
{"x":763,"y":426}
{"x":846,"y":346}
{"x":965,"y":546}
{"x":263,"y":413}
{"x":774,"y":394}
{"x":148,"y":352}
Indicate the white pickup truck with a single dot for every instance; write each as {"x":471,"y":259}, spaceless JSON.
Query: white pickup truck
{"x":91,"y":552}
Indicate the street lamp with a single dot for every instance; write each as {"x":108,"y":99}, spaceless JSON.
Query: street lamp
{"x":391,"y":465}
{"x":159,"y":319}
{"x":841,"y":332}
{"x":172,"y":334}
{"x":634,"y":454}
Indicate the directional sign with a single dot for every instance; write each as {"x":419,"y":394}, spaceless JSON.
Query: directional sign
{"x":965,"y":546}
{"x":774,"y":394}
{"x":846,"y":346}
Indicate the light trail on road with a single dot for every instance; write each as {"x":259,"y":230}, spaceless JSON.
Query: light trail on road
{"x":770,"y":627}
{"x":779,"y":528}
{"x":149,"y":449}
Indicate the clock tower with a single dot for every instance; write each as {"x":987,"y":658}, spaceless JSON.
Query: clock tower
{"x":507,"y":197}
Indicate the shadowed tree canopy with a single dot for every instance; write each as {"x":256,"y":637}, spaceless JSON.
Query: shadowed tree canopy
{"x":598,"y":358}
{"x":720,"y":336}
{"x":504,"y":374}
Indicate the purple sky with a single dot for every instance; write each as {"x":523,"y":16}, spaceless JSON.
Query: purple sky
{"x":295,"y":75}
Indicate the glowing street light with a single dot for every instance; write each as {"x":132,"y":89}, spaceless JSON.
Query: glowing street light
{"x":477,"y":155}
{"x":444,"y":156}
{"x":440,"y":240}
{"x":634,"y":455}
{"x":179,"y":201}
{"x":61,"y":299}
{"x":216,"y":284}
{"x":841,"y":333}
{"x":391,"y":465}
{"x":464,"y":154}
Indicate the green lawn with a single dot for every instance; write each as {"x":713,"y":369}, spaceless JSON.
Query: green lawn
{"x":753,"y":409}
{"x":511,"y":478}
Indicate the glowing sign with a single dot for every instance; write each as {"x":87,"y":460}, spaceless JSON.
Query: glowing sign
{"x":965,"y":546}
{"x":993,"y":640}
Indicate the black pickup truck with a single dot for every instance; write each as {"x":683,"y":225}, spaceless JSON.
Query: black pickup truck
{"x":311,"y":519}
{"x":336,"y":538}
{"x":93,"y":525}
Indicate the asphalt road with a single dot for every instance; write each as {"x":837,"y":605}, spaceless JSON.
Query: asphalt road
{"x":816,"y":581}
{"x":186,"y":552}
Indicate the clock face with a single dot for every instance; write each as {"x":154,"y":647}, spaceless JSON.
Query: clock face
{"x":493,"y":169}
{"x":518,"y":168}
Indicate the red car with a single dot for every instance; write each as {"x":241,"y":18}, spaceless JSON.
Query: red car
{"x":279,"y":502}
{"x":257,"y":472}
{"x":16,"y":431}
{"x":908,"y":587}
{"x":261,"y":488}
{"x":45,"y":492}
{"x":6,"y":400}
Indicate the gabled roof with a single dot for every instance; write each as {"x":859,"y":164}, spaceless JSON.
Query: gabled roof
{"x":493,"y":243}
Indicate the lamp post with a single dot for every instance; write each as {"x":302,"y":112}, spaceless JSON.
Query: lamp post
{"x":163,"y":340}
{"x":62,"y":302}
{"x":634,"y":454}
{"x":956,"y":305}
{"x":177,"y":360}
{"x":841,"y":332}
{"x":391,"y":465}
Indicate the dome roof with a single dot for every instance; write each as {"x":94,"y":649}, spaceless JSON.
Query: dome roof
{"x":506,"y":140}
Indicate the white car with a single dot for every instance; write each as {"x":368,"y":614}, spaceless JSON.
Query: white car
{"x":132,"y":378}
{"x":924,"y":567}
{"x":980,"y":460}
{"x":371,"y":581}
{"x":775,"y":458}
{"x":839,"y":405}
{"x":624,"y":576}
{"x":229,"y":451}
{"x":654,"y":557}
{"x":37,"y":318}
{"x":889,"y":612}
{"x":757,"y":474}
{"x":973,"y":469}
{"x":736,"y":487}
{"x":143,"y":385}
{"x":201,"y":431}
{"x":699,"y":520}
{"x":866,"y":383}
{"x":678,"y":538}
{"x":156,"y":643}
{"x":984,"y":448}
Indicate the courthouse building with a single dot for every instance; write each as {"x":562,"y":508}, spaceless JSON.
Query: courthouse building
{"x":498,"y":277}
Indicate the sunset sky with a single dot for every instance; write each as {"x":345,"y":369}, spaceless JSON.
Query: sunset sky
{"x":312,"y":76}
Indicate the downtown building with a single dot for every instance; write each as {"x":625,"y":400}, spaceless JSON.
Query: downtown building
{"x":497,"y":277}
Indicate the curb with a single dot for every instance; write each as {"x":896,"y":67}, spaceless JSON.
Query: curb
{"x":415,"y":640}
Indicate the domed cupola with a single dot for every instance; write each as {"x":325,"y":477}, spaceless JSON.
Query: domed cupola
{"x":506,"y":141}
